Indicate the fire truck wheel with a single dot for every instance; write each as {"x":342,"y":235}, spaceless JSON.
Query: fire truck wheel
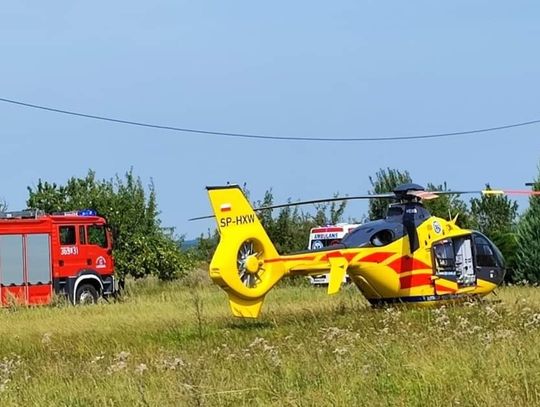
{"x":86,"y":294}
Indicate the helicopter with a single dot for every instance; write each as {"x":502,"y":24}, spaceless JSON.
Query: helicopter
{"x":409,"y":256}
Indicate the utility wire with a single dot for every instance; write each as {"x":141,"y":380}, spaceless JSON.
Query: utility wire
{"x":266,"y":137}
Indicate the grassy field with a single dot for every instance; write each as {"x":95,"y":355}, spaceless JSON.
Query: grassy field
{"x":177,"y":345}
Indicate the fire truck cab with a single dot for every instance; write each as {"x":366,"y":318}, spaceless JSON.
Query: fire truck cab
{"x":321,"y":237}
{"x":67,"y":254}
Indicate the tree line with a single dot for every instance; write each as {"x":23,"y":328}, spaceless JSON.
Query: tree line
{"x":143,"y":247}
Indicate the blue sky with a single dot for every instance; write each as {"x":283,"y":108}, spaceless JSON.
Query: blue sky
{"x":304,"y":68}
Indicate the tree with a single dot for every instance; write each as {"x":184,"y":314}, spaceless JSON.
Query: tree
{"x":206,"y":246}
{"x":141,"y":247}
{"x":265,"y":216}
{"x":492,"y":214}
{"x":528,"y":241}
{"x":289,"y":229}
{"x":448,"y":206}
{"x":386,"y":180}
{"x":329,"y":213}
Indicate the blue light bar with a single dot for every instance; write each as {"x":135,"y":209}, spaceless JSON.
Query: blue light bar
{"x":87,"y":212}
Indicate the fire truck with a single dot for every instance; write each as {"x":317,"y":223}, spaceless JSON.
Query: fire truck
{"x":67,"y":254}
{"x":321,"y":237}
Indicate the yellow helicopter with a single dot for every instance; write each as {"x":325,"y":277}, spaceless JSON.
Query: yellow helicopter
{"x":407,"y":257}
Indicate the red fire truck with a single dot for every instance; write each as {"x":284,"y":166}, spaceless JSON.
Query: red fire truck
{"x":67,"y":254}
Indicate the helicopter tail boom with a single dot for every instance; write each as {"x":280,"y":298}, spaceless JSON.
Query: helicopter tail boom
{"x":238,"y":265}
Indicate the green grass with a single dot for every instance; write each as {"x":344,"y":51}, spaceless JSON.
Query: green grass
{"x":168,"y":344}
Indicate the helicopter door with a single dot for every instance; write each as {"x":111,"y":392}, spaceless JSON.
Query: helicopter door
{"x":444,"y":263}
{"x":454,"y":265}
{"x":465,"y":273}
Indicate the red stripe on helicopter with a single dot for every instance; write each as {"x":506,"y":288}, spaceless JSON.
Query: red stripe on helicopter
{"x":407,"y":263}
{"x":415,"y":280}
{"x":331,"y":254}
{"x":347,"y":256}
{"x":442,"y":288}
{"x":289,"y":259}
{"x":377,"y":257}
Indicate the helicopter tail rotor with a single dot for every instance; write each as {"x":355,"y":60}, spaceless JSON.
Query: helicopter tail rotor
{"x":239,"y":264}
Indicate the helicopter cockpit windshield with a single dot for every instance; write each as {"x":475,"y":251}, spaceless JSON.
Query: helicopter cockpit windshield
{"x":487,"y":254}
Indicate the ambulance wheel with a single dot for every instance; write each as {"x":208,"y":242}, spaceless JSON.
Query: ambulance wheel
{"x":86,"y":294}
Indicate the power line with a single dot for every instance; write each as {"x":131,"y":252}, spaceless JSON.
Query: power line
{"x":266,"y":137}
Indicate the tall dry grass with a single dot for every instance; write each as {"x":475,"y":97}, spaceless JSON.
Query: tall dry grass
{"x":176,"y":344}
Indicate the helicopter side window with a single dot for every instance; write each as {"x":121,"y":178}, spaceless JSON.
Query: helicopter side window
{"x":382,"y":238}
{"x":394,"y":211}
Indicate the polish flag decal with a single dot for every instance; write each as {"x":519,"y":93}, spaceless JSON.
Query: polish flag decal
{"x":226,"y":207}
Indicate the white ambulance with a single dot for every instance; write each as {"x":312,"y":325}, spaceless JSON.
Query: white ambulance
{"x":321,"y":237}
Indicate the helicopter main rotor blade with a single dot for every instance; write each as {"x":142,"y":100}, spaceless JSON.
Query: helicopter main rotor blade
{"x":510,"y":192}
{"x":389,"y":195}
{"x":336,"y":199}
{"x":313,"y":201}
{"x":454,"y":192}
{"x":201,"y":217}
{"x":489,"y":192}
{"x":425,"y":195}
